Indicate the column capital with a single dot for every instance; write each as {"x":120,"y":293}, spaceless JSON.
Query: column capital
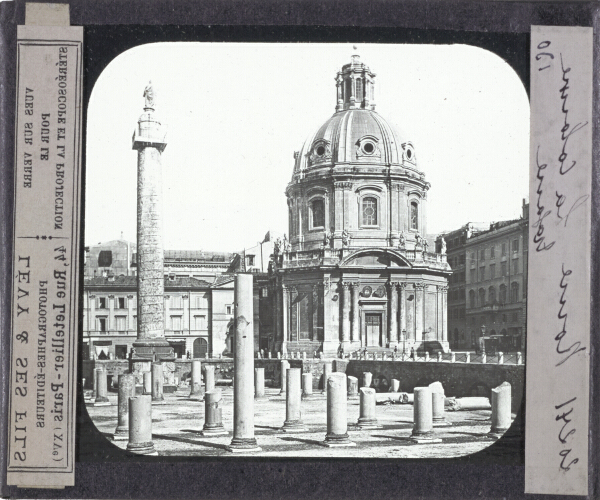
{"x":346,"y":284}
{"x":91,"y":296}
{"x":443,"y":288}
{"x":130,"y":296}
{"x":111,"y":296}
{"x":342,"y":185}
{"x":167,"y":296}
{"x":402,"y":285}
{"x":420,"y":286}
{"x":185,"y":296}
{"x":354,"y":285}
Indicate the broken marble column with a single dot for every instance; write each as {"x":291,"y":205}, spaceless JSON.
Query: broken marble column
{"x":367,"y":418}
{"x":259,"y":383}
{"x":140,"y":425}
{"x":126,"y":391}
{"x":327,"y":369}
{"x":423,"y":414}
{"x":196,"y":381}
{"x":501,"y":406}
{"x":209,"y":377}
{"x":352,"y":387}
{"x":213,"y":414}
{"x":519,"y":358}
{"x":243,"y":377}
{"x":285,"y":365}
{"x":94,"y":384}
{"x":101,"y":388}
{"x":293,"y":415}
{"x":147,"y":383}
{"x":157,"y":382}
{"x":307,"y":388}
{"x":337,"y":411}
{"x":438,"y":399}
{"x":367,"y":379}
{"x":395,"y":385}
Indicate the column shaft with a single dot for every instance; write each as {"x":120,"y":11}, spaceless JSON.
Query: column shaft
{"x":355,"y":334}
{"x":345,"y":313}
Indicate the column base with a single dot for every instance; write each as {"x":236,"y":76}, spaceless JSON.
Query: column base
{"x":199,"y":393}
{"x":261,"y":398}
{"x":142,"y":448}
{"x":157,"y":349}
{"x":102,"y":401}
{"x":294,"y":426}
{"x":368,"y":423}
{"x":243,"y":445}
{"x":424,"y":437}
{"x":496,"y":432}
{"x":338,"y":441}
{"x":159,"y":401}
{"x":217,"y":430}
{"x":121,"y":434}
{"x":441,"y":423}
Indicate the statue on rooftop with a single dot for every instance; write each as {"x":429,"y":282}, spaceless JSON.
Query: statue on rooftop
{"x":149,"y":95}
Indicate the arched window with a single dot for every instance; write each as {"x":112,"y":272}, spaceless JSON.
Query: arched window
{"x":414,"y":215}
{"x":502,"y":298}
{"x":472,"y":299}
{"x":369,"y":211}
{"x":481,"y":297}
{"x":359,"y":89}
{"x":200,"y":347}
{"x":348,"y":89}
{"x":317,"y":213}
{"x":492,"y":295}
{"x":514,"y":292}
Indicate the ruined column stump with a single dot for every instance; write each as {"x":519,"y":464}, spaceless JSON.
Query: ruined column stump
{"x":259,"y":384}
{"x":307,"y":386}
{"x":423,"y":417}
{"x":293,"y":415}
{"x":352,"y":387}
{"x":501,"y":406}
{"x":395,"y":385}
{"x":367,"y":379}
{"x":213,"y":414}
{"x":438,"y":398}
{"x":140,"y":426}
{"x":368,"y":418}
{"x":126,"y":391}
{"x":337,"y":411}
{"x":101,"y":388}
{"x":327,"y":370}
{"x":157,"y":383}
{"x":147,"y":383}
{"x":196,"y":380}
{"x":209,"y":378}
{"x":285,"y":365}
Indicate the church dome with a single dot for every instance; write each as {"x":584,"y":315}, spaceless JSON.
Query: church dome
{"x":355,"y":134}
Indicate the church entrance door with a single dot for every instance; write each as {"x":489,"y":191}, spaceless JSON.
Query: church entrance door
{"x":373,"y":327}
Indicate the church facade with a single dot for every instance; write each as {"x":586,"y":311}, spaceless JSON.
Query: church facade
{"x":358,"y":270}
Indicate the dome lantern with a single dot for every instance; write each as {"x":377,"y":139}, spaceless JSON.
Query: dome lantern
{"x":355,"y":86}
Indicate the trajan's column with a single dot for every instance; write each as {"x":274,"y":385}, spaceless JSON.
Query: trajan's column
{"x":149,"y":139}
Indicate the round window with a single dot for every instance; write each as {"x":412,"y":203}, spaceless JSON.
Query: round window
{"x":368,"y":148}
{"x":409,"y":153}
{"x":320,"y":150}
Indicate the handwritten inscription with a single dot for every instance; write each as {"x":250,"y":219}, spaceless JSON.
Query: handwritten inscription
{"x":558,"y":215}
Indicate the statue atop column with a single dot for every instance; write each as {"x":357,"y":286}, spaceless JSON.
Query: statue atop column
{"x":149,"y":97}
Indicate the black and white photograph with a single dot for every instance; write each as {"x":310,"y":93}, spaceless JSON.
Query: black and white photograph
{"x":305,"y":250}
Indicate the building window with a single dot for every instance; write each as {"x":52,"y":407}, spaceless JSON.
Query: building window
{"x":348,"y":90}
{"x":503,"y":268}
{"x":502,"y":298}
{"x":121,"y":304}
{"x":250,"y":260}
{"x":492,"y":271}
{"x":472,"y":299}
{"x":176,"y":324}
{"x":135,"y":323}
{"x":176,"y":302}
{"x":515,"y":245}
{"x":514,"y":291}
{"x":515,"y":317}
{"x":228,"y":309}
{"x":105,"y":258}
{"x":482,"y":254}
{"x":200,"y":322}
{"x":481,"y":297}
{"x":359,"y":89}
{"x":473,"y":260}
{"x":492,"y":252}
{"x":482,"y":273}
{"x":515,"y":265}
{"x":101,"y":302}
{"x":317,"y":213}
{"x":102,"y":324}
{"x":265,"y":292}
{"x":121,"y":323}
{"x":492,"y":295}
{"x":414,"y":215}
{"x":369,"y":211}
{"x":503,"y":249}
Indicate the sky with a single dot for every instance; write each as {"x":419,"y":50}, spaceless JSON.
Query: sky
{"x":236,"y":112}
